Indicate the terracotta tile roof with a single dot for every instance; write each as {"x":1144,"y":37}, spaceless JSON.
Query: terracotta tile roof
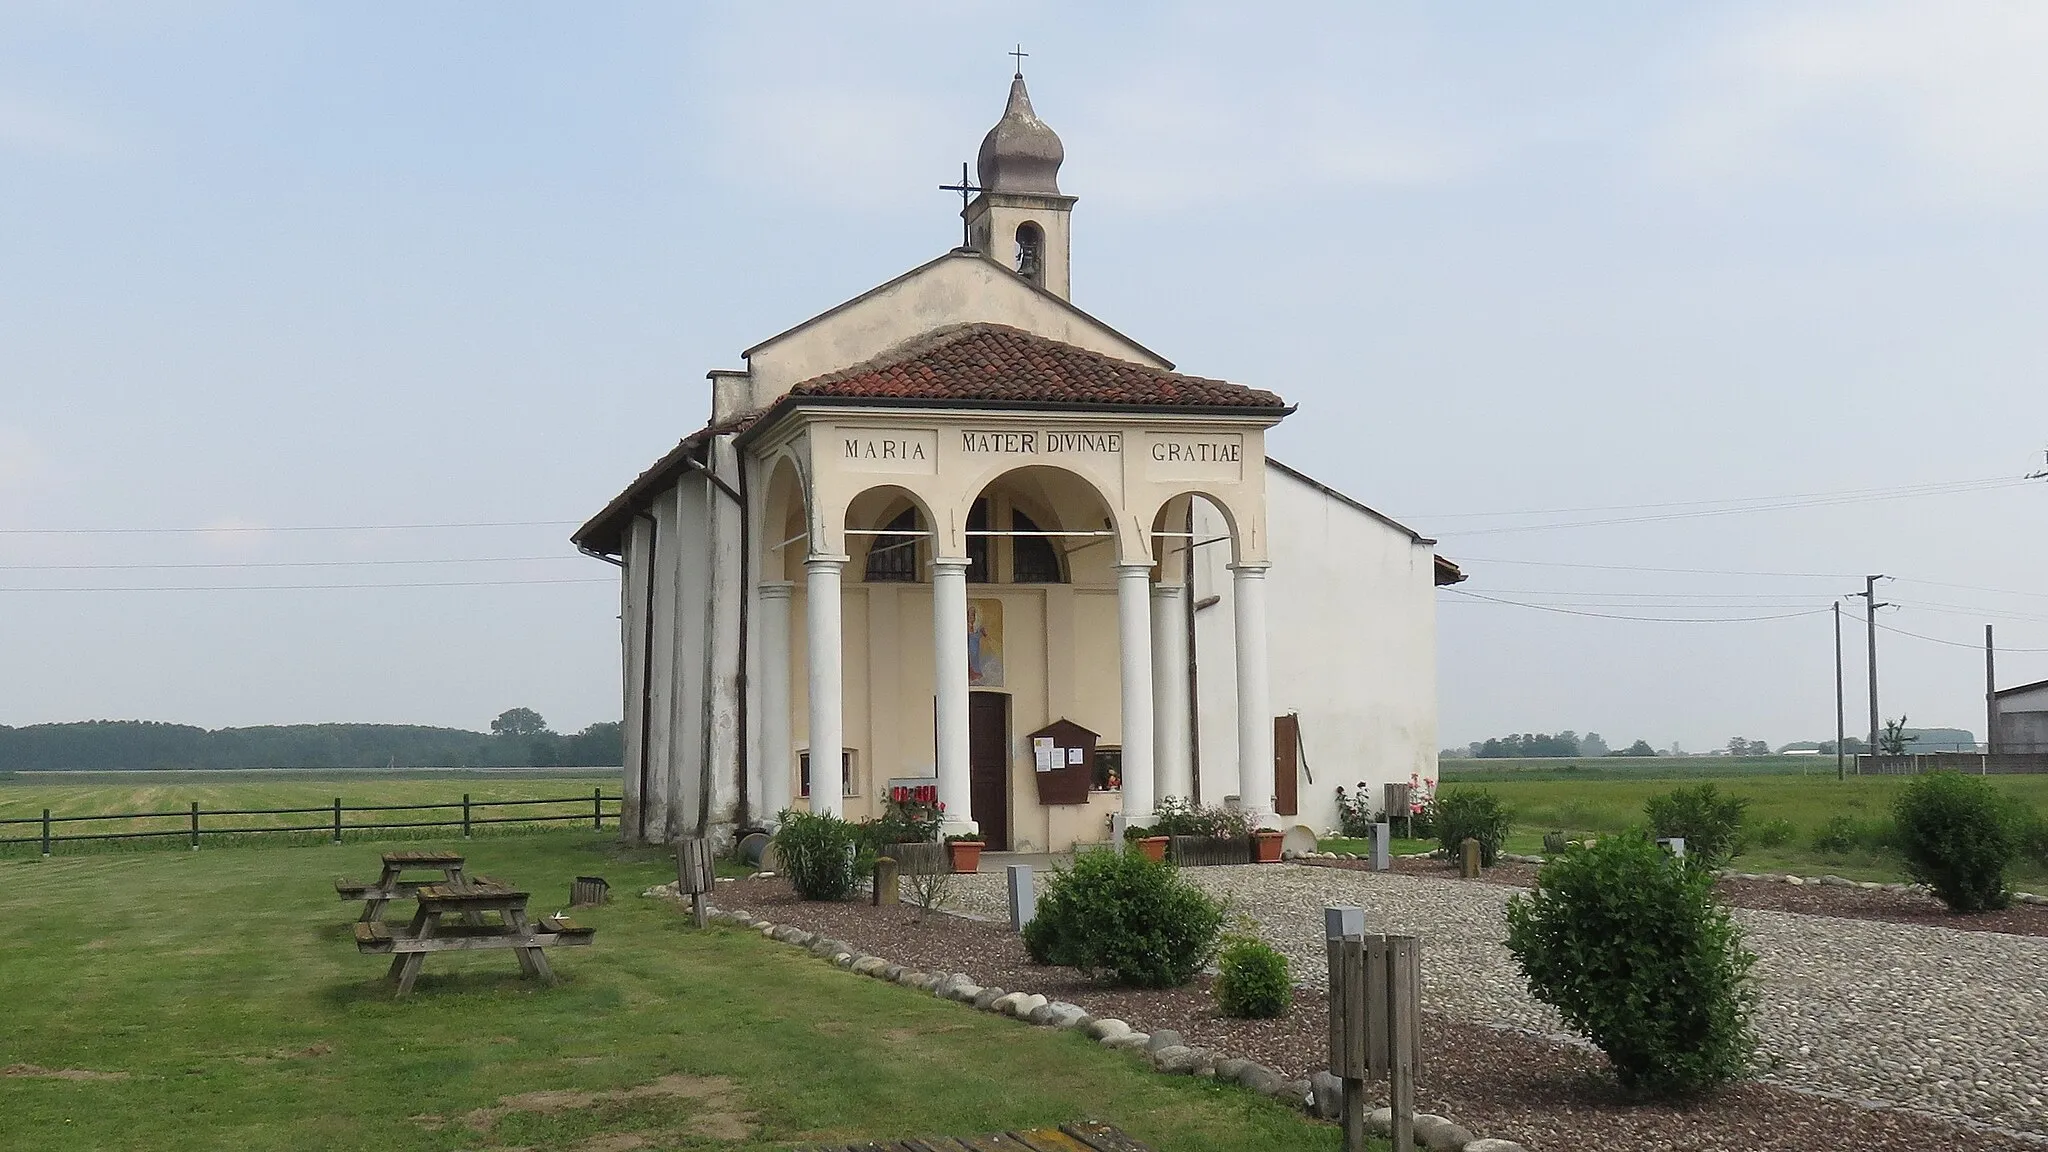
{"x":991,"y":363}
{"x":605,"y":532}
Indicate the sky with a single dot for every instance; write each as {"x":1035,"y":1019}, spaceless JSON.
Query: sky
{"x":1760,"y":285}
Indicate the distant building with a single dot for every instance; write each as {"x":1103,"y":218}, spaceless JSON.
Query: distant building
{"x":2020,"y":718}
{"x":927,"y":526}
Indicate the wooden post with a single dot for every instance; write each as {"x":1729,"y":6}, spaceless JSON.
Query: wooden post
{"x":1468,"y":866}
{"x":337,"y":819}
{"x":695,"y":875}
{"x":1344,"y":939}
{"x":465,"y":815}
{"x":887,"y":889}
{"x":46,"y":833}
{"x":1404,"y":969}
{"x":195,"y":825}
{"x":597,"y":811}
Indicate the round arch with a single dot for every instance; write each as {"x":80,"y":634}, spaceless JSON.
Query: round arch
{"x":785,"y":519}
{"x":872,"y":510}
{"x":1233,"y":521}
{"x":1058,"y":500}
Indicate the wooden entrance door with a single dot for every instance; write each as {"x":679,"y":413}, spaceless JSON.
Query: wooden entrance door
{"x":988,"y":766}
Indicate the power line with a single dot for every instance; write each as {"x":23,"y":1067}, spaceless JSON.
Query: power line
{"x":1972,"y":645}
{"x":284,"y":528}
{"x":1788,"y":504}
{"x":311,"y":587}
{"x":1838,"y":494}
{"x":1653,"y":619}
{"x":283,"y":563}
{"x":1646,"y":568}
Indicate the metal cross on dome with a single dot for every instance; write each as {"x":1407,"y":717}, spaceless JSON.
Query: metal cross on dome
{"x":966,"y":189}
{"x":1020,"y":54}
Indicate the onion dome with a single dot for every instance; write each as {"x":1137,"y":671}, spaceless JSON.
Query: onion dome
{"x":1020,"y":154}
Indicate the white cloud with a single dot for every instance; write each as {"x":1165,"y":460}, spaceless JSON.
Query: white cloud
{"x":28,"y":125}
{"x":1953,"y":93}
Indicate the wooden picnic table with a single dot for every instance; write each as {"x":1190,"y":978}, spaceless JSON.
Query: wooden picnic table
{"x":391,"y":885}
{"x":431,"y":931}
{"x":1085,"y":1137}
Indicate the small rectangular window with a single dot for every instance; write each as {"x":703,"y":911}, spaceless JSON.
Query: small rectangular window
{"x":846,"y":781}
{"x":1109,"y":769}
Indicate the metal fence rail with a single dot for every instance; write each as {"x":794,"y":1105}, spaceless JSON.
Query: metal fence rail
{"x":47,"y":825}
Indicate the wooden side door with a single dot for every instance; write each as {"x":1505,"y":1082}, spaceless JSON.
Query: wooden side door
{"x":988,"y":766}
{"x":1286,"y":746}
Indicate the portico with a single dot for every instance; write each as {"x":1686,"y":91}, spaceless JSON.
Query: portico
{"x":1031,"y":507}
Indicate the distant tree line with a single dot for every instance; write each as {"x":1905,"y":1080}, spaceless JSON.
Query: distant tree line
{"x":518,"y":739}
{"x":1565,"y":743}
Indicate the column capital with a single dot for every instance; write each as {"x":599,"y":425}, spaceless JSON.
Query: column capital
{"x":1125,"y":571}
{"x":1249,"y":571}
{"x":1166,"y":591}
{"x":949,"y":565}
{"x":832,"y":563}
{"x":777,"y":589}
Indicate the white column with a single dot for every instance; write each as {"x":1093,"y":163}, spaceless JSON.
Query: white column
{"x":949,"y":671}
{"x":776,"y":754}
{"x":1134,"y":629}
{"x":821,"y":635}
{"x":1254,"y":694}
{"x":1173,"y":773}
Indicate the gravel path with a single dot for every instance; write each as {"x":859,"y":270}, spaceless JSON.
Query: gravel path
{"x":1948,"y":1021}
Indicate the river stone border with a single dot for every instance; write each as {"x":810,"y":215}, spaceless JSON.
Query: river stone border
{"x":1827,"y":881}
{"x":1164,"y":1050}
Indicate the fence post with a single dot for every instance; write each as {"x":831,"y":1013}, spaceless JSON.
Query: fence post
{"x":1468,"y":858}
{"x":337,"y":819}
{"x":46,"y":833}
{"x":195,"y":825}
{"x":887,"y":888}
{"x":1344,"y":939}
{"x":1404,"y":970}
{"x":465,"y":815}
{"x":597,"y":807}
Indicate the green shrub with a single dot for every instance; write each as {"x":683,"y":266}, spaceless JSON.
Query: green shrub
{"x":1843,"y":834}
{"x":2034,"y":836}
{"x":1252,"y":980}
{"x":1177,"y":817}
{"x":817,"y":851}
{"x":1710,"y":822}
{"x":1476,"y":812}
{"x":1635,"y":954}
{"x":1958,"y":835}
{"x":1773,"y":833}
{"x":1123,"y":917}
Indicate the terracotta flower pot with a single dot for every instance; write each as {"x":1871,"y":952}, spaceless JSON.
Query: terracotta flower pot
{"x":1153,"y":846}
{"x":1266,"y":845}
{"x":965,"y":854}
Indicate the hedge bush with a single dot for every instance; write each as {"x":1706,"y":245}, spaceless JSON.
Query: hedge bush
{"x":1125,"y":918}
{"x":1710,"y":822}
{"x":1632,"y":950}
{"x":1476,"y":812}
{"x":1843,"y":834}
{"x":1958,"y":835}
{"x":817,"y":851}
{"x":1252,"y":980}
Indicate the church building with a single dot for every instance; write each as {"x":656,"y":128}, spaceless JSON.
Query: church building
{"x":957,"y":532}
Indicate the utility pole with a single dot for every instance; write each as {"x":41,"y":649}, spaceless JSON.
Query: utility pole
{"x":1990,"y":697}
{"x":1840,"y":734}
{"x":1870,"y":607}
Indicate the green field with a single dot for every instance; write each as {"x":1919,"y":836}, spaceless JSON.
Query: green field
{"x":1598,"y":795}
{"x":217,"y":1000}
{"x":24,"y":796}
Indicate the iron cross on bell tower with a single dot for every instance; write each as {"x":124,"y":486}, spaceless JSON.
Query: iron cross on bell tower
{"x":966,"y":189}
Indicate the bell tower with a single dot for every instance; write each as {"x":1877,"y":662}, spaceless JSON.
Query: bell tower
{"x":1020,"y":220}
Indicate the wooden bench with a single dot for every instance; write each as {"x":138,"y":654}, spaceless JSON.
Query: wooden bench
{"x":390,"y":886}
{"x":430,"y":932}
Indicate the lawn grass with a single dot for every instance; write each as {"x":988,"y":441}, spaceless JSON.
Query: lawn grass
{"x":1592,"y":796}
{"x":225,"y":990}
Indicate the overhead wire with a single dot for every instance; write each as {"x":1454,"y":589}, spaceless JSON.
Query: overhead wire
{"x":252,"y":528}
{"x":313,"y":587}
{"x":284,"y":563}
{"x":1653,"y":619}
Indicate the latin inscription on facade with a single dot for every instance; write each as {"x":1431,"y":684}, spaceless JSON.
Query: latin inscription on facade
{"x":1195,"y":456}
{"x":912,"y":451}
{"x":1048,"y":442}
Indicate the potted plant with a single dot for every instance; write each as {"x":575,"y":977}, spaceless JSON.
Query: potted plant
{"x":965,"y":850}
{"x":1266,"y":845}
{"x":1148,"y":842}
